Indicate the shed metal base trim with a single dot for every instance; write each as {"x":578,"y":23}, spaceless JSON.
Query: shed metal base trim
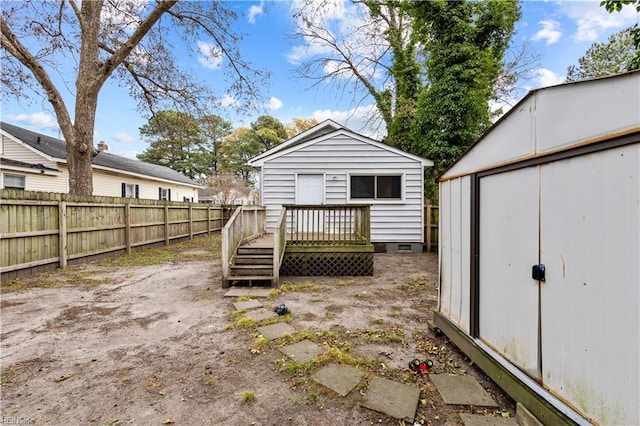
{"x":547,"y":408}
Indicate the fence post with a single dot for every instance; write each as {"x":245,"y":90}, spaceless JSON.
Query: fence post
{"x":127,"y":226}
{"x":62,"y":237}
{"x":166,"y":224}
{"x":190,"y":223}
{"x":208,"y":220}
{"x":428,"y":224}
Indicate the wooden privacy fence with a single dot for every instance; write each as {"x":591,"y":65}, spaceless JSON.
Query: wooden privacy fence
{"x":431,"y":215}
{"x":40,"y":231}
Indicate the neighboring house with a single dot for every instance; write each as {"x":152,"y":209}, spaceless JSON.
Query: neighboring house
{"x":330,"y":164}
{"x":540,"y":251}
{"x":234,"y":196}
{"x":36,"y":162}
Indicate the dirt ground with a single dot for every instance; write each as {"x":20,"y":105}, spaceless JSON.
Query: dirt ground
{"x":157,"y":343}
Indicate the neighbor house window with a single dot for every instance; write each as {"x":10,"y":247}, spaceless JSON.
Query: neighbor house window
{"x":13,"y":181}
{"x":379,"y":187}
{"x":130,"y":190}
{"x":164,"y":194}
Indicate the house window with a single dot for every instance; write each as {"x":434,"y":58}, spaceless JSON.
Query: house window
{"x":130,"y":190}
{"x":164,"y":194}
{"x":383,"y":187}
{"x":13,"y":181}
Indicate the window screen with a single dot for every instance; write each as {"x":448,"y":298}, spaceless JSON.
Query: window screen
{"x":376,"y":187}
{"x":13,"y":181}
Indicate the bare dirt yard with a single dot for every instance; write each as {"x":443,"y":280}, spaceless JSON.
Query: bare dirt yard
{"x":150,"y":339}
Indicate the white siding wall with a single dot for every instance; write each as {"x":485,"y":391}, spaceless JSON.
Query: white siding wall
{"x":39,"y":182}
{"x":337,"y":157}
{"x":17,"y":152}
{"x":110,"y":184}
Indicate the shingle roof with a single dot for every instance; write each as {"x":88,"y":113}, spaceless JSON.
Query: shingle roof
{"x":56,"y":148}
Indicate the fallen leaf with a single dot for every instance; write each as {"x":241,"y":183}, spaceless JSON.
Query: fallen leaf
{"x":168,"y":422}
{"x":65,"y":377}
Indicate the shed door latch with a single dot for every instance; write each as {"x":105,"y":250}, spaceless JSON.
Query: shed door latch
{"x":537,"y":272}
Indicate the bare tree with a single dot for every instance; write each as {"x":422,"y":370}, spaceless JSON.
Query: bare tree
{"x":364,"y":49}
{"x":50,"y":47}
{"x":225,"y":186}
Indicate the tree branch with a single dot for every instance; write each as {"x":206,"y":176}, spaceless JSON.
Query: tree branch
{"x":11,"y":43}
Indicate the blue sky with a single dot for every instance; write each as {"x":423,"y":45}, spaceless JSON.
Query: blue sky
{"x":559,"y":31}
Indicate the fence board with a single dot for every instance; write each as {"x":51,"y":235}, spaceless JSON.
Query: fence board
{"x":40,"y":229}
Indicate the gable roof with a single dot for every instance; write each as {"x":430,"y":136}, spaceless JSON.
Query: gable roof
{"x":622,"y":91}
{"x":323,"y":131}
{"x":55,"y":150}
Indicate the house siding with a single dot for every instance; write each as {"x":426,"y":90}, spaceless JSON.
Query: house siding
{"x":39,"y":182}
{"x":337,"y":157}
{"x":15,"y":151}
{"x":110,"y":184}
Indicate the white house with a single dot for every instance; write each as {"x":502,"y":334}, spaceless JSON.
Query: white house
{"x":540,"y":252}
{"x":36,"y":162}
{"x":330,"y":164}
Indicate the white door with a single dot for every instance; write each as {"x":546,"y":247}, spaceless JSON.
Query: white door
{"x":590,"y":245}
{"x":310,"y":190}
{"x":508,"y":248}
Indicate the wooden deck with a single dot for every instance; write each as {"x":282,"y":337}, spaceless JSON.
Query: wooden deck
{"x":326,"y":240}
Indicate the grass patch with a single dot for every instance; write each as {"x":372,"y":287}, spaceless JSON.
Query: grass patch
{"x":248,"y":396}
{"x":292,"y":288}
{"x":72,"y":275}
{"x":197,"y":249}
{"x":377,"y":321}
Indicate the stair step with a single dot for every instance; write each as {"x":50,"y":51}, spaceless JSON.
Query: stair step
{"x":242,"y":270}
{"x":251,"y":277}
{"x":255,"y":250}
{"x":253,"y":260}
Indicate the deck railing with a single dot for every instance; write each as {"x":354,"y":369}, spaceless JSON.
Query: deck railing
{"x":247,"y":222}
{"x":329,"y":224}
{"x":279,"y":244}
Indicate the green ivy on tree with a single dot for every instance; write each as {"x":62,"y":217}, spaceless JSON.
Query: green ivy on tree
{"x":466,"y":42}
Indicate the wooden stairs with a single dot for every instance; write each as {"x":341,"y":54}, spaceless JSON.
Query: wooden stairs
{"x":253,"y":261}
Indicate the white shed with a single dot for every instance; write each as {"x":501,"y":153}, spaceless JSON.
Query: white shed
{"x":540,"y":252}
{"x":329,"y":164}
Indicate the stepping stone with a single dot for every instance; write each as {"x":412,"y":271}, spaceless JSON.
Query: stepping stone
{"x":260,"y":314}
{"x":393,"y":399}
{"x":461,"y":390}
{"x":478,"y":420}
{"x":339,"y":378}
{"x":275,"y":331}
{"x":260,"y":292}
{"x":303,"y":351}
{"x":247,"y":304}
{"x":237,"y":291}
{"x":247,"y":291}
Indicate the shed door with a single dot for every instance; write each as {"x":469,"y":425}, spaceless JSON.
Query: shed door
{"x":590,"y":246}
{"x":509,"y":298}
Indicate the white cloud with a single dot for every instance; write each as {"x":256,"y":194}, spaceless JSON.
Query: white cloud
{"x":546,"y":77}
{"x":129,"y":154}
{"x":255,"y":11}
{"x":274,"y":104}
{"x":228,"y":101}
{"x":123,"y":137}
{"x":39,"y":120}
{"x":365,"y":120}
{"x":550,"y":31}
{"x":593,"y":21}
{"x":210,"y":55}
